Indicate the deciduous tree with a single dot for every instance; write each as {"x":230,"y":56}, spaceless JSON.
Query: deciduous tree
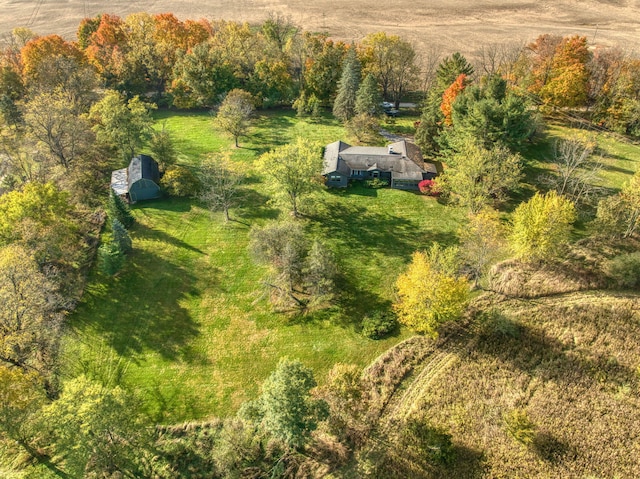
{"x":449,"y":96}
{"x":29,"y":324}
{"x":322,"y":67}
{"x":40,"y":218}
{"x":483,"y":242}
{"x":201,"y":76}
{"x":477,"y":176}
{"x":428,"y":294}
{"x":392,"y":61}
{"x":234,"y":114}
{"x":292,"y":171}
{"x":54,"y":123}
{"x":220,"y":183}
{"x":122,"y":124}
{"x":41,"y":49}
{"x":542,"y":226}
{"x":98,"y":431}
{"x":576,"y":171}
{"x":163,"y":147}
{"x":618,"y":215}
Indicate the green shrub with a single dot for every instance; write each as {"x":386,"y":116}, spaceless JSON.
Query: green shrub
{"x":625,"y":270}
{"x":179,"y":181}
{"x":521,"y":428}
{"x":379,"y":324}
{"x":376,"y":183}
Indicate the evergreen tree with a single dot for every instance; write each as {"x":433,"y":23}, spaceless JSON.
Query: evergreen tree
{"x":120,"y":236}
{"x":110,"y":258}
{"x":450,"y":68}
{"x":300,"y":105}
{"x":119,"y":210}
{"x":286,"y":409}
{"x":344,"y":107}
{"x":368,"y":98}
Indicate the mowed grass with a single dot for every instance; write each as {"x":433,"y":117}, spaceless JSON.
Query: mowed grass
{"x":620,"y":157}
{"x":187,"y":324}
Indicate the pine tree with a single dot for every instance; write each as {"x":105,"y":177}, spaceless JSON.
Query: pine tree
{"x":110,"y":258}
{"x":119,"y":210}
{"x":121,"y":237}
{"x":344,"y":107}
{"x":368,"y":98}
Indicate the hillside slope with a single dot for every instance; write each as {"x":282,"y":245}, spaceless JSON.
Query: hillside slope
{"x":568,"y":362}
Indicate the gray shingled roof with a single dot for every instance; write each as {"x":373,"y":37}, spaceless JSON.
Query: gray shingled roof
{"x":401,"y":158}
{"x":332,"y":158}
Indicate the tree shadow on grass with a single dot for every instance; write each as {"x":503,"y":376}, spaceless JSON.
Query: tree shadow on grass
{"x":143,"y":232}
{"x":618,"y":169}
{"x":364,"y":229}
{"x":139,"y":310}
{"x":178,"y":205}
{"x":533,"y":351}
{"x":254,"y":205}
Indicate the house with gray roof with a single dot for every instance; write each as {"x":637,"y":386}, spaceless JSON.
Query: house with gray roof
{"x":400,"y":164}
{"x":139,"y":181}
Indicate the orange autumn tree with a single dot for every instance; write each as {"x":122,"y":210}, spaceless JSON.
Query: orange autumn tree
{"x":450,"y":95}
{"x":42,"y":49}
{"x":560,"y":70}
{"x":107,"y":45}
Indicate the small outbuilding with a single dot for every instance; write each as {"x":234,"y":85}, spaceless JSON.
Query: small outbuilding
{"x":139,"y":181}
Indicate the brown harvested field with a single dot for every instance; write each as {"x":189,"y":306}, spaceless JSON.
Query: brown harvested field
{"x":446,"y":25}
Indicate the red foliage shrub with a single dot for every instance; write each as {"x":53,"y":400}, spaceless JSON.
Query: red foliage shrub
{"x":428,"y":187}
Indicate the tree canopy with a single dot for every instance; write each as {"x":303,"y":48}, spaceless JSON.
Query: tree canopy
{"x":292,"y":171}
{"x":542,"y":226}
{"x":429,"y":292}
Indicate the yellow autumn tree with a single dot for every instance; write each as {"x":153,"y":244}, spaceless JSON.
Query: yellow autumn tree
{"x":429,"y":292}
{"x":542,"y":226}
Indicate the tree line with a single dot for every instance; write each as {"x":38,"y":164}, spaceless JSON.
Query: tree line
{"x":60,"y":139}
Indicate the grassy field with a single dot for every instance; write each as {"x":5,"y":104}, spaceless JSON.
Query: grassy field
{"x":186,"y":322}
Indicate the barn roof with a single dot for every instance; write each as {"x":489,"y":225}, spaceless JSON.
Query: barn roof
{"x":143,"y":167}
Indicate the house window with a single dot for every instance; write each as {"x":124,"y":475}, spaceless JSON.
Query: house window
{"x":356,"y":172}
{"x":376,"y":174}
{"x":335,"y":178}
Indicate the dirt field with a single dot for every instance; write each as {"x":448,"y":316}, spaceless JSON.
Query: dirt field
{"x":446,"y":25}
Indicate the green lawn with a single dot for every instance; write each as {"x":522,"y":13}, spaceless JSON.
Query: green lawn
{"x":186,"y":322}
{"x":620,"y":158}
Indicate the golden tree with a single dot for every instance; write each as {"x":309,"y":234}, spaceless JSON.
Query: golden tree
{"x":430,"y":294}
